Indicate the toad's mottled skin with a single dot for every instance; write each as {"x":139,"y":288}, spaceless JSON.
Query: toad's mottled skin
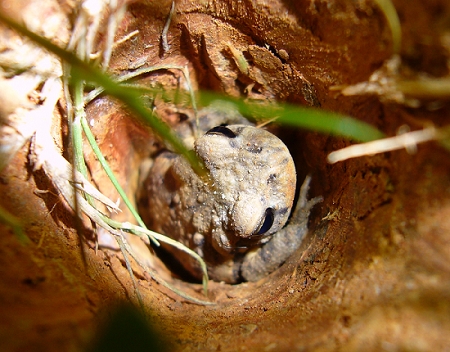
{"x":234,"y":218}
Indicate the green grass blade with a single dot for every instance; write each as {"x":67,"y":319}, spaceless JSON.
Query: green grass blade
{"x":302,"y":117}
{"x":91,"y":139}
{"x":15,"y":224}
{"x":387,"y":7}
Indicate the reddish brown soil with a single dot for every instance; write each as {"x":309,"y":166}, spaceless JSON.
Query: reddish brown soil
{"x":374,"y":274}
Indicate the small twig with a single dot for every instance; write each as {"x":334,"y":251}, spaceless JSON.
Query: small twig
{"x":187,"y":77}
{"x":127,"y":76}
{"x":267,"y":122}
{"x":121,"y":241}
{"x":93,"y":11}
{"x":164,"y":44}
{"x":116,"y":43}
{"x":116,"y":14}
{"x":406,"y":140}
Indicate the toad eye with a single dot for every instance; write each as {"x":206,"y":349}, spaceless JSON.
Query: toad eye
{"x":267,"y":222}
{"x":222,"y":130}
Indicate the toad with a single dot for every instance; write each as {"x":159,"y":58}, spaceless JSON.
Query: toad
{"x":235,"y":217}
